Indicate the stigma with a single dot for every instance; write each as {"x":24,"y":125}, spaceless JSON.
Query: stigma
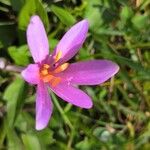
{"x":48,"y":73}
{"x":45,"y":73}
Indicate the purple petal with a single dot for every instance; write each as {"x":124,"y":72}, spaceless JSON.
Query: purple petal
{"x":31,"y":74}
{"x":72,"y":41}
{"x":72,"y":95}
{"x":90,"y":72}
{"x":43,"y":106}
{"x":37,"y":39}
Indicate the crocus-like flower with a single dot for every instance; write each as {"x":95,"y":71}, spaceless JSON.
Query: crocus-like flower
{"x":54,"y":72}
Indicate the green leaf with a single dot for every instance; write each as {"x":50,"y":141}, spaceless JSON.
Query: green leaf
{"x":93,"y":14}
{"x":14,"y":95}
{"x":14,"y":142}
{"x":31,"y":142}
{"x":20,"y":55}
{"x":130,"y":63}
{"x":85,"y":144}
{"x":3,"y":132}
{"x":7,"y":33}
{"x":140,"y":21}
{"x":32,"y":7}
{"x":21,"y":122}
{"x":46,"y":136}
{"x":64,"y":16}
{"x":25,"y":121}
{"x":53,"y":42}
{"x":17,"y":4}
{"x":126,"y":13}
{"x":6,"y":2}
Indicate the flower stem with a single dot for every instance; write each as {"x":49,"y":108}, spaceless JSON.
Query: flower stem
{"x":7,"y":67}
{"x":67,"y":121}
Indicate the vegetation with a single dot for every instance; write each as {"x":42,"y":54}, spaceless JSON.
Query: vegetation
{"x":120,"y":118}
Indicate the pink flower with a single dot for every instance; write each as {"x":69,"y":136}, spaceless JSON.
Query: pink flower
{"x":52,"y":70}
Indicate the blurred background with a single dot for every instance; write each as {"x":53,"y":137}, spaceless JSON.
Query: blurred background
{"x":120,"y":118}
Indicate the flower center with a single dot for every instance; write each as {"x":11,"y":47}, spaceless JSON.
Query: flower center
{"x":48,"y":74}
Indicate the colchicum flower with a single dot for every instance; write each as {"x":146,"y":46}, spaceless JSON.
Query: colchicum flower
{"x":54,"y":72}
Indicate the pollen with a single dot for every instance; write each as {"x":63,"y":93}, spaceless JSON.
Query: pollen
{"x":46,"y":66}
{"x":58,"y":56}
{"x":61,"y":68}
{"x":44,"y":72}
{"x":48,"y":75}
{"x":47,"y":78}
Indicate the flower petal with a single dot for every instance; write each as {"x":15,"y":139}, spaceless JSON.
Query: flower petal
{"x":72,"y":95}
{"x":43,"y":106}
{"x":37,"y":39}
{"x":90,"y":72}
{"x":31,"y":74}
{"x":72,"y":41}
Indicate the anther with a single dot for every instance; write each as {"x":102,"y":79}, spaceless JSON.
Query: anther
{"x":44,"y":71}
{"x":46,"y":66}
{"x":58,"y":56}
{"x":61,"y":68}
{"x":47,"y":78}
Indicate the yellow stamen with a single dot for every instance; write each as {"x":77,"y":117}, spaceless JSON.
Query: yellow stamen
{"x":44,"y":72}
{"x":47,"y":78}
{"x":55,"y":81}
{"x":61,"y":68}
{"x":58,"y":56}
{"x":46,"y":66}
